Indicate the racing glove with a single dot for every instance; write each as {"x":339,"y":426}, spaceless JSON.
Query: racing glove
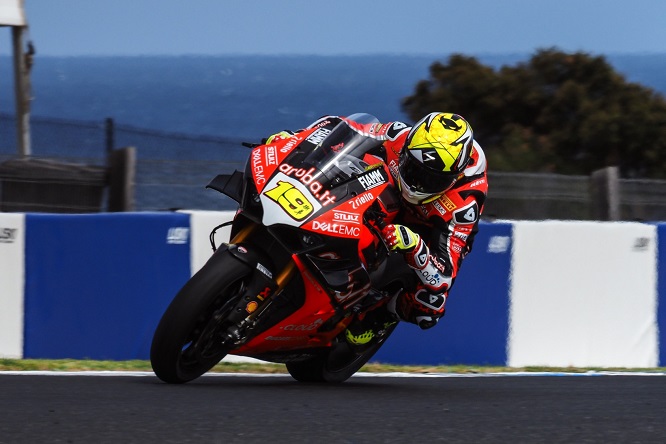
{"x":417,"y":255}
{"x":400,"y":238}
{"x":278,"y":136}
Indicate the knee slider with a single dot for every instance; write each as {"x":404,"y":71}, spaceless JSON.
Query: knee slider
{"x":421,"y":308}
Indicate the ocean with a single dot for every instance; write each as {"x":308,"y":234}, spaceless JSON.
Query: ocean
{"x":219,"y":101}
{"x":245,"y":96}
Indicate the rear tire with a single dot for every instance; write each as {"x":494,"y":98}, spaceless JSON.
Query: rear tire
{"x":336,"y":365}
{"x":187,"y":341}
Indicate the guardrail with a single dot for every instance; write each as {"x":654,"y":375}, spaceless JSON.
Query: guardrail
{"x":551,"y":293}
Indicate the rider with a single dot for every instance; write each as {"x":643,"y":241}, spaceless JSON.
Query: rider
{"x":441,"y":172}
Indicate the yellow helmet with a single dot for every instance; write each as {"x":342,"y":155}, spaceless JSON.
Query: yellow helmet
{"x":434,"y":156}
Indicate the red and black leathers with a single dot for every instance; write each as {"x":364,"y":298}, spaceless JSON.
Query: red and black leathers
{"x":446,"y":224}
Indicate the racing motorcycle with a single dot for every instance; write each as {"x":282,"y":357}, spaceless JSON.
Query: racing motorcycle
{"x":305,"y":260}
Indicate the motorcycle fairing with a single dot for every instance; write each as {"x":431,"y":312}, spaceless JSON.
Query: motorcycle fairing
{"x":298,"y":176}
{"x":228,"y":184}
{"x":321,"y":181}
{"x":302,"y":328}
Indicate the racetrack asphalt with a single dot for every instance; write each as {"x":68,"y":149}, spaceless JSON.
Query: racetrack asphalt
{"x":75,"y":408}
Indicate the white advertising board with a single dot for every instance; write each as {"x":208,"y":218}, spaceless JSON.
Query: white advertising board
{"x":583,"y":294}
{"x":12,"y":283}
{"x":201,"y":224}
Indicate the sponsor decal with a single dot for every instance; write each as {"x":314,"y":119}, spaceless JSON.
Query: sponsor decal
{"x":438,"y":265}
{"x":374,"y":128}
{"x":264,"y":293}
{"x":264,"y":270}
{"x":498,"y":244}
{"x":371,"y":179}
{"x":329,"y":255}
{"x":293,"y":141}
{"x":8,"y":235}
{"x":353,"y":289}
{"x":433,"y":276}
{"x":251,"y":307}
{"x":393,"y":166}
{"x":283,"y":338}
{"x":467,"y":215}
{"x":440,"y":209}
{"x":303,"y":327}
{"x":257,"y":167}
{"x":344,"y":216}
{"x":395,"y":129}
{"x":178,"y":235}
{"x":359,"y":284}
{"x":361,"y":200}
{"x":641,"y":244}
{"x":430,"y":277}
{"x":306,"y":177}
{"x":335,"y":228}
{"x":421,"y":258}
{"x":433,"y":301}
{"x":476,"y":183}
{"x":429,"y":156}
{"x":320,"y":124}
{"x":319,"y":135}
{"x":270,"y":154}
{"x":448,"y":203}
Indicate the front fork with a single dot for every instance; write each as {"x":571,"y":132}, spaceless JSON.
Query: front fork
{"x":260,"y":291}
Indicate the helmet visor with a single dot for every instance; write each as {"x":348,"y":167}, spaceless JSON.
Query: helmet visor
{"x":422,"y":179}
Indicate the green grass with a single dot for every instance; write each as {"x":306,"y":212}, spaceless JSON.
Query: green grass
{"x":71,"y":365}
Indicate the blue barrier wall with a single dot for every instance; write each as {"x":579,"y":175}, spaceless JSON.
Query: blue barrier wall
{"x":96,"y":286}
{"x":475,"y":327}
{"x":89,"y":293}
{"x":661,"y":290}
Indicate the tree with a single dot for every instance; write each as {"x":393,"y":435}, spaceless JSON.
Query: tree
{"x":557,"y":112}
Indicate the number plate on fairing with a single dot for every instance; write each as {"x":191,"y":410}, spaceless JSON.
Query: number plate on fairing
{"x":287,"y":201}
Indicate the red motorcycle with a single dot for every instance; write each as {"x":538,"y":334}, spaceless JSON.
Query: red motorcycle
{"x":305,"y":260}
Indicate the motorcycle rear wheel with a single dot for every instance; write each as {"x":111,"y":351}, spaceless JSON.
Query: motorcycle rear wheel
{"x":336,"y":365}
{"x":187,"y":342}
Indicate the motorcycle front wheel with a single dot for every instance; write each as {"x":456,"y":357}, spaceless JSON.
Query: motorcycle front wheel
{"x":189,"y":338}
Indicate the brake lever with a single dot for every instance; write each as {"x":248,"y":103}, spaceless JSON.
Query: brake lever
{"x":377,"y":224}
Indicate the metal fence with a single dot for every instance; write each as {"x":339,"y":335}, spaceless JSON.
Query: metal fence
{"x":173,"y":169}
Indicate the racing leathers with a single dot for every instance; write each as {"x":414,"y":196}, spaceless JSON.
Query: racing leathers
{"x":434,"y":237}
{"x":447,"y":227}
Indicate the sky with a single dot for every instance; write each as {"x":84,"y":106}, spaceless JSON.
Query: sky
{"x":353,"y":27}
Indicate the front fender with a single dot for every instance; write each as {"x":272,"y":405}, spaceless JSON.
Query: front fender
{"x":254,"y":257}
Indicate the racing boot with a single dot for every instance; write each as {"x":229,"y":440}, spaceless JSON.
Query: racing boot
{"x":369,"y":327}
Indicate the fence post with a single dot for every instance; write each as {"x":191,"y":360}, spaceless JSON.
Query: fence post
{"x":605,"y":194}
{"x":22,"y":91}
{"x":109,"y":135}
{"x":122,"y":169}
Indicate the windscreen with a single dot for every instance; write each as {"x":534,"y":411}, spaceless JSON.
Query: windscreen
{"x":339,"y":157}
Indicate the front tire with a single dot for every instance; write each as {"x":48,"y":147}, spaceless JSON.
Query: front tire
{"x":187,"y":342}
